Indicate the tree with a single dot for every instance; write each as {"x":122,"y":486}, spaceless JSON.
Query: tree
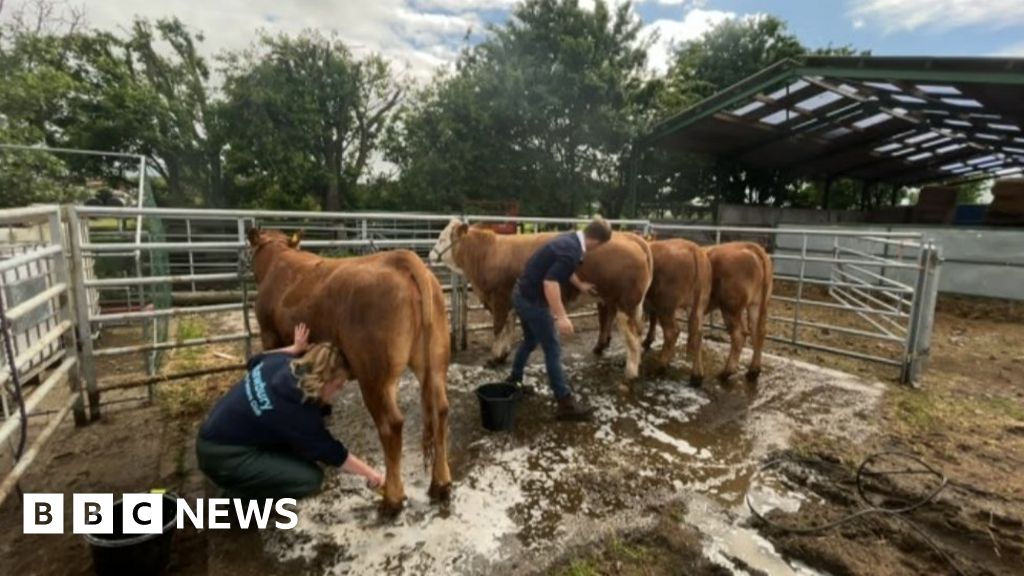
{"x":543,"y":111}
{"x":304,"y":117}
{"x":93,"y":90}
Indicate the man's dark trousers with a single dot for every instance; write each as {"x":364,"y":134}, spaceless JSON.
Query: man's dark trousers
{"x":539,"y":328}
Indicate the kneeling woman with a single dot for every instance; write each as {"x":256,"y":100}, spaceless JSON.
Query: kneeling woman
{"x":264,"y":439}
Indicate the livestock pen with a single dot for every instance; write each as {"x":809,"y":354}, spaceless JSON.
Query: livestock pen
{"x":154,"y":264}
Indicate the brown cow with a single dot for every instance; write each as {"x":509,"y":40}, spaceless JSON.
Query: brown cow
{"x":385,"y":312}
{"x":492,"y":263}
{"x":741,"y":281}
{"x":621,"y":270}
{"x":682,"y":279}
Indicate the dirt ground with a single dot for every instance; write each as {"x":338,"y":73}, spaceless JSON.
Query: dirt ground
{"x":654,"y":486}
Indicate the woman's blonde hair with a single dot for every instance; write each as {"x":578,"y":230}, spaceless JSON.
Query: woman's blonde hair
{"x":319,"y":365}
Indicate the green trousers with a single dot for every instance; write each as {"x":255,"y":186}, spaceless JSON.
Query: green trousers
{"x":251,"y":472}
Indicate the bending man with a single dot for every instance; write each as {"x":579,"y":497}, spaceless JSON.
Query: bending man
{"x":538,"y":302}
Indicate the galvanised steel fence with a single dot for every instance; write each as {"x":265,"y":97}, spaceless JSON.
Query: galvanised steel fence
{"x":862,"y":294}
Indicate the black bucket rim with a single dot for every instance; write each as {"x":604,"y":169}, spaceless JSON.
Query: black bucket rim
{"x":515,"y":396}
{"x":169,"y":525}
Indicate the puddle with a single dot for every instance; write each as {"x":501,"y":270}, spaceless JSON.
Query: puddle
{"x":523,"y":498}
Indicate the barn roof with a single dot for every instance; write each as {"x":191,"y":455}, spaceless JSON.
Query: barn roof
{"x":898,"y":120}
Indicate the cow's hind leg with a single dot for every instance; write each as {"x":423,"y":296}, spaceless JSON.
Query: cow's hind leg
{"x":434,"y":402}
{"x":651,"y":330}
{"x":737,"y":336}
{"x":605,"y":313}
{"x":757,"y":337}
{"x":381,"y":398}
{"x":694,"y":345}
{"x":630,"y":328}
{"x":671,"y":333}
{"x":504,"y":332}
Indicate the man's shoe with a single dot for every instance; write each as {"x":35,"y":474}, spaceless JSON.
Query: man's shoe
{"x":572,"y":410}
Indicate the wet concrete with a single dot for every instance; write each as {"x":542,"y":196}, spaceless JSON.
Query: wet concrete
{"x":522,"y":499}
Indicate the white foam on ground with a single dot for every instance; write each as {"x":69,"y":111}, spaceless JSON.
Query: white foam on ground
{"x":520,"y":500}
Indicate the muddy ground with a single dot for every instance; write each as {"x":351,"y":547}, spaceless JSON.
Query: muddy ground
{"x":654,"y":486}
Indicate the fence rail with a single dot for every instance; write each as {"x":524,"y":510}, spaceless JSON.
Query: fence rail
{"x":39,"y":359}
{"x":108,"y":268}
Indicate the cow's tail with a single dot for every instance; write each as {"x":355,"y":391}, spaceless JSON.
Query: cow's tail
{"x":766,"y":294}
{"x":701,"y":273}
{"x":434,"y":340}
{"x":636,"y":316}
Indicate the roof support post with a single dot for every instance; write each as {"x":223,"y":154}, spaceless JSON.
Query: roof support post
{"x":825,"y":199}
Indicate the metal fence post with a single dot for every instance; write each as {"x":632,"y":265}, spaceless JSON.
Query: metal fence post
{"x":83,"y":323}
{"x":799,"y":290}
{"x":923,"y":312}
{"x":456,"y":322}
{"x":66,"y":312}
{"x":243,"y":277}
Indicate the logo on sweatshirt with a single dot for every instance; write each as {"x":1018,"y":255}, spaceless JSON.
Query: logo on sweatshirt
{"x":256,"y":391}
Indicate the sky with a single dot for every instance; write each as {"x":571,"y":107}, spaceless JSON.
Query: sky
{"x":423,"y":35}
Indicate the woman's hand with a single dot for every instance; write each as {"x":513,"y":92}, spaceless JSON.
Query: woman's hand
{"x":374,"y":480}
{"x":300,"y":339}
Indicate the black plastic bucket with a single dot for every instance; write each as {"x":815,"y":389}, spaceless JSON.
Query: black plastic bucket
{"x":142,"y":554}
{"x":498,"y":404}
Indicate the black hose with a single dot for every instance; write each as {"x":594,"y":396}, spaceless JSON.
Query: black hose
{"x":5,"y":324}
{"x":897,"y":512}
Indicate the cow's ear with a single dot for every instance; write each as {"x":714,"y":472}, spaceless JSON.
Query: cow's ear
{"x":295,"y":239}
{"x":253,"y":235}
{"x":461,"y":230}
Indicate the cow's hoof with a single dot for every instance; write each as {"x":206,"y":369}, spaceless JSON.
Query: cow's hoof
{"x":599,"y":349}
{"x":724,"y":376}
{"x":696,"y":380}
{"x":496,"y":362}
{"x":440,"y":492}
{"x":753,"y":374}
{"x":390,"y":508}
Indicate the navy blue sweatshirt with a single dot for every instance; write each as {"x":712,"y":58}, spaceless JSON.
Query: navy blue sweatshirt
{"x":265,"y":409}
{"x":557,"y":260}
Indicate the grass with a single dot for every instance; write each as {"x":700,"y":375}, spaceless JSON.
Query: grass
{"x":189,"y":396}
{"x":189,"y":328}
{"x":614,"y":556}
{"x":581,"y":568}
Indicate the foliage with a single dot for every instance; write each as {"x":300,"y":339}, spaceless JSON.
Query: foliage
{"x":305,"y":117}
{"x":542,"y":111}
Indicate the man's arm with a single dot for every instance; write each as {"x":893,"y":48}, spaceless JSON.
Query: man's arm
{"x":553,"y":294}
{"x":583,"y":287}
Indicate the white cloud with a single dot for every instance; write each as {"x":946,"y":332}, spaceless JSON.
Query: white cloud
{"x":412,"y":34}
{"x":465,"y":5}
{"x":671,"y":33}
{"x":688,"y":3}
{"x":897,"y":15}
{"x":1014,"y":50}
{"x":858,"y":23}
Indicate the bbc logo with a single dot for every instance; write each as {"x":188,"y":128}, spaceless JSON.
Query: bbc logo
{"x":144,"y":513}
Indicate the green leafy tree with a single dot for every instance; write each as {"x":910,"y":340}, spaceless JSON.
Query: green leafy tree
{"x":303,"y":117}
{"x":542,"y":111}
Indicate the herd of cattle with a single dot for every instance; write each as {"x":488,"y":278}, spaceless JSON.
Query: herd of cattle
{"x":386,"y":312}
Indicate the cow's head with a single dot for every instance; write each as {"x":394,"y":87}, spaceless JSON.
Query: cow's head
{"x":444,"y":248}
{"x":259,"y":238}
